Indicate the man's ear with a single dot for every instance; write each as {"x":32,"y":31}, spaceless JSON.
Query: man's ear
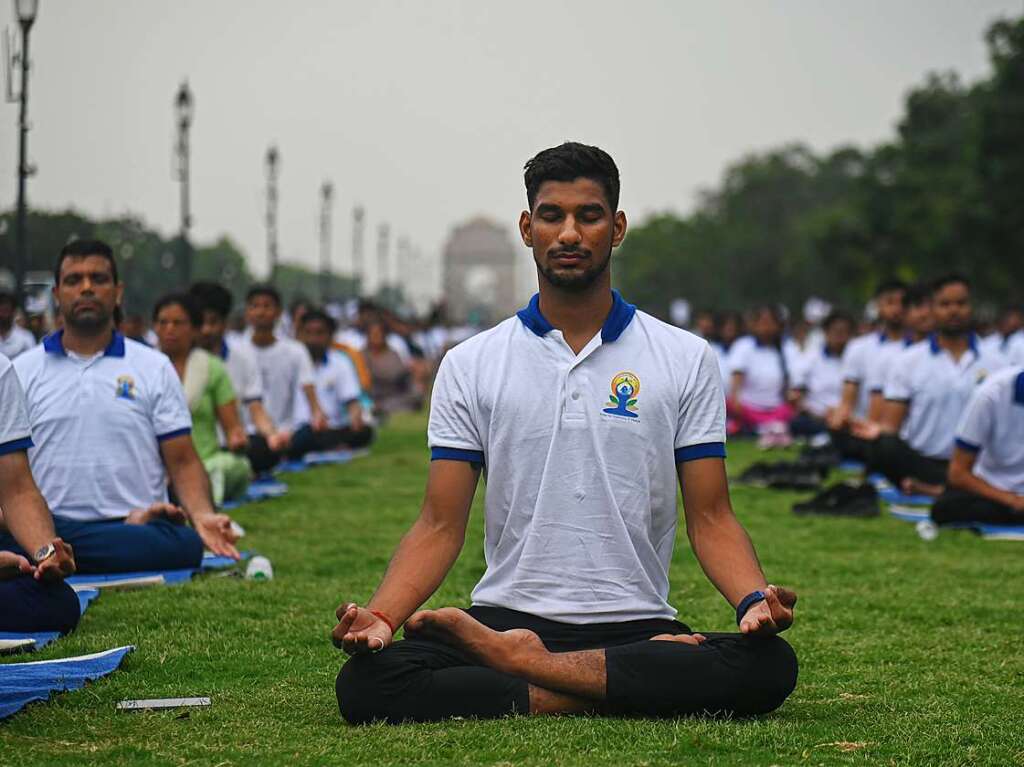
{"x":524,"y":228}
{"x":619,"y":229}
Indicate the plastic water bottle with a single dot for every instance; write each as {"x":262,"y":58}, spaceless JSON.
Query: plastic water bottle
{"x":259,"y":569}
{"x":927,"y":530}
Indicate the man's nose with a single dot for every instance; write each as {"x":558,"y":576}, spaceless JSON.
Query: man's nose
{"x":569,"y":235}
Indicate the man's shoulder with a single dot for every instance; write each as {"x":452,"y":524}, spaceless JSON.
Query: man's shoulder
{"x":671,"y":336}
{"x":5,"y":364}
{"x":477,"y":348}
{"x":29,"y":361}
{"x":144,"y":359}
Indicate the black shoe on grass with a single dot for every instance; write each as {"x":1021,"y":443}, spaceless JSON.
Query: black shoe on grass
{"x":842,"y":500}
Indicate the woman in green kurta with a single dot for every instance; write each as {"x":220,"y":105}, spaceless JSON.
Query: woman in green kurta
{"x":211,"y":398}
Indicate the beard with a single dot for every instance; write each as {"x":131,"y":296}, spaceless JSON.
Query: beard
{"x":87,"y":322}
{"x":575,"y":280}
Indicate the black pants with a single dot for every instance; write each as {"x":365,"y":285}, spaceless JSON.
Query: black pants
{"x":27,"y":605}
{"x":891,"y":456}
{"x":420,"y":680}
{"x":851,"y":448}
{"x":260,"y":456}
{"x":958,"y":506}
{"x":806,"y":425}
{"x":305,"y":440}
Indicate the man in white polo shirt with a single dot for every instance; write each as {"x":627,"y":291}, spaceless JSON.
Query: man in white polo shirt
{"x":266,"y":441}
{"x":819,"y":380}
{"x":337,"y":391}
{"x":586,"y":414}
{"x":926,"y":393}
{"x":285,"y":366}
{"x":110,"y":423}
{"x":33,"y":594}
{"x":986,"y":473}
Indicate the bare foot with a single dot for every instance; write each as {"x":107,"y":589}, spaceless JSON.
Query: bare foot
{"x":694,"y":639}
{"x":506,"y":651}
{"x":145,"y":516}
{"x":911,"y":486}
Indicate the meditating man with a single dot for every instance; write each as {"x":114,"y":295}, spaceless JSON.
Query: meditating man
{"x":819,"y":380}
{"x":33,"y":595}
{"x":986,"y":473}
{"x":584,"y":412}
{"x":926,"y":393}
{"x":110,"y":423}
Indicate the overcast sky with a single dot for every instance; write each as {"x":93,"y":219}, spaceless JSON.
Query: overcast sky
{"x":424,"y":112}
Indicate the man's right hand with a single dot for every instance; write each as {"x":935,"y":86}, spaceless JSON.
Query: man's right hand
{"x":359,"y":631}
{"x":279,"y":440}
{"x":1017,"y":504}
{"x":12,"y":565}
{"x":59,"y":566}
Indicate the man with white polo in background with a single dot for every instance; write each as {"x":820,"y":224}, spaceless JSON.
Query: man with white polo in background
{"x":587,"y":415}
{"x":110,"y":425}
{"x":33,"y":594}
{"x":267,"y":442}
{"x":926,"y":393}
{"x":285,"y":366}
{"x":986,"y":472}
{"x":14,"y":339}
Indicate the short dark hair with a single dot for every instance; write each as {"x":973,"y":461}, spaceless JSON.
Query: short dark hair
{"x":186,"y":302}
{"x":917,"y":294}
{"x":838,"y":315}
{"x":952,"y":278}
{"x":568,"y":162}
{"x":263,"y":289}
{"x":6,"y":297}
{"x":83,"y":249}
{"x":212,"y":297}
{"x":313,"y":314}
{"x":890,"y":286}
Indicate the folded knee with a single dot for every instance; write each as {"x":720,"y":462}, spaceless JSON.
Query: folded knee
{"x":362,"y":690}
{"x":771,"y":676}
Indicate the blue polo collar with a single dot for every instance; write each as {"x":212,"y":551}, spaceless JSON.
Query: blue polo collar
{"x":972,"y":342}
{"x":224,"y":349}
{"x":829,"y":355}
{"x":618,"y":318}
{"x":54,"y":344}
{"x":1018,"y":389}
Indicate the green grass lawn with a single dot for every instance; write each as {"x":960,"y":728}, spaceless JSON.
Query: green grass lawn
{"x":910,"y":652}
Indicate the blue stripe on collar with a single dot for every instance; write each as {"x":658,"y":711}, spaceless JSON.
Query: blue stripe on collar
{"x":224,"y":351}
{"x":618,"y":319}
{"x":54,"y":344}
{"x":1018,"y":389}
{"x":972,"y":343}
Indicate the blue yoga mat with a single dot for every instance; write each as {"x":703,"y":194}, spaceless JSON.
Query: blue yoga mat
{"x":988,"y":532}
{"x":210,"y":562}
{"x":290,"y":467}
{"x":22,"y":683}
{"x":851,"y":466}
{"x":328,"y":457}
{"x":892,"y":495}
{"x":43,"y":638}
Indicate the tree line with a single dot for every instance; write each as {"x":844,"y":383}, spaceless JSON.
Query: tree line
{"x":946,"y":194}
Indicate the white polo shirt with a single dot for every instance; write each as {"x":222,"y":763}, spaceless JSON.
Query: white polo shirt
{"x":993,"y":428}
{"x":15,"y":433}
{"x":821,"y":380}
{"x":580,"y":454}
{"x":860,"y":361}
{"x":285,"y":367}
{"x":880,"y":366}
{"x":936,"y":388}
{"x":337,"y":384}
{"x":97,"y":423}
{"x":1015,"y":348}
{"x":765,"y":370}
{"x":16,"y":342}
{"x":240,"y":362}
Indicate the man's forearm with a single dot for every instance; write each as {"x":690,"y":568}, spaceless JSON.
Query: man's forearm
{"x":419,"y":565}
{"x":727,"y":557}
{"x":192,"y":487}
{"x":25,"y":512}
{"x":260,"y":419}
{"x":971,"y":483}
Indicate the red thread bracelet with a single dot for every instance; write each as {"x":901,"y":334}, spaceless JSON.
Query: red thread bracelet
{"x":386,"y":620}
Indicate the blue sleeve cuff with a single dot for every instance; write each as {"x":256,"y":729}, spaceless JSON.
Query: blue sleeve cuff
{"x":250,"y":400}
{"x":706,"y":450}
{"x":475,"y":457}
{"x":968,"y":446}
{"x":15,"y":445}
{"x":173,"y":434}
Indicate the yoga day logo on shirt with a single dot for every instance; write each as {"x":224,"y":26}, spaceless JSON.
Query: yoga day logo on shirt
{"x":125,"y":388}
{"x":625,"y":390}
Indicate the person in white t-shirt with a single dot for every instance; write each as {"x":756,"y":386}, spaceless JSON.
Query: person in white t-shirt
{"x":587,"y":415}
{"x":14,"y":339}
{"x":33,"y":594}
{"x":819,"y":381}
{"x":337,"y":389}
{"x":986,"y":472}
{"x":267,"y":443}
{"x":110,"y":425}
{"x":285,"y":366}
{"x":927,"y":392}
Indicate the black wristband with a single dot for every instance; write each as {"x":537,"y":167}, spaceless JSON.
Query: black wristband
{"x":746,"y":603}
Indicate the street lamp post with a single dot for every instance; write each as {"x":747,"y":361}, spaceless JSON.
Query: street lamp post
{"x":272,"y":160}
{"x":184,"y":108}
{"x":26,"y":11}
{"x":326,"y":201}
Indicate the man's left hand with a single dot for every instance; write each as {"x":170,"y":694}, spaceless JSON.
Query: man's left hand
{"x":215,"y":530}
{"x":58,"y":566}
{"x":771,"y":615}
{"x":319,"y":422}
